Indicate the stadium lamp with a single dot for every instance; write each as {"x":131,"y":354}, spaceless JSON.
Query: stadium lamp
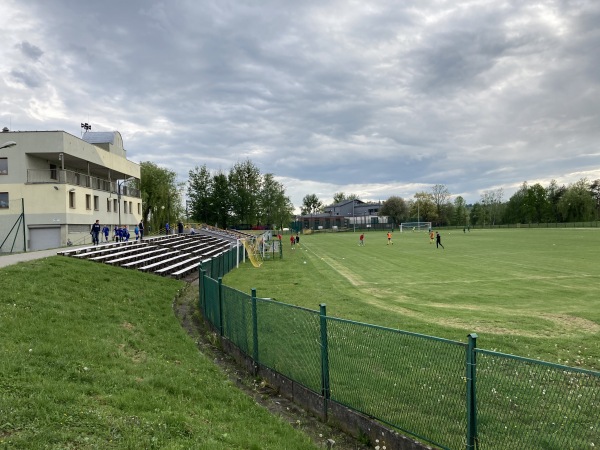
{"x":8,"y":144}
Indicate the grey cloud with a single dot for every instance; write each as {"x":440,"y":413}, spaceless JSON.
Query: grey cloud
{"x":31,"y":51}
{"x":377,"y":96}
{"x":28,"y":78}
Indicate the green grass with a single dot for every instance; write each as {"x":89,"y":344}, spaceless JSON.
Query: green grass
{"x":526,"y":292}
{"x":93,"y":357}
{"x":532,"y":293}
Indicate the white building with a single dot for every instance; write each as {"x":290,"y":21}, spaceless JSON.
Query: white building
{"x":54,"y":185}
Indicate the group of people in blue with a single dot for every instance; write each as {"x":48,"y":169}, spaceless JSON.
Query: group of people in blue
{"x":120,"y":233}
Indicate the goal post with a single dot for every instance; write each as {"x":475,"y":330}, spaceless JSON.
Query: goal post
{"x":415,"y":226}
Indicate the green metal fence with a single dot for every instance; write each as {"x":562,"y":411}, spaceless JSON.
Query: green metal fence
{"x":447,"y":393}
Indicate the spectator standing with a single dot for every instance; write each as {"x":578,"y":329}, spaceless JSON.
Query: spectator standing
{"x":167,"y":228}
{"x":180,"y":227}
{"x":125,"y":233}
{"x":95,"y":232}
{"x":137,"y":232}
{"x":141,"y":227}
{"x":105,"y":232}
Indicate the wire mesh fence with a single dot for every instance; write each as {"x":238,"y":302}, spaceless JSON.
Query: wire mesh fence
{"x":413,"y":382}
{"x":289,"y":342}
{"x":446,"y":393}
{"x":524,"y":403}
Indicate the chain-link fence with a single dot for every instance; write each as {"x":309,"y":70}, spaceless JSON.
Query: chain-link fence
{"x":524,"y":403}
{"x":447,"y":393}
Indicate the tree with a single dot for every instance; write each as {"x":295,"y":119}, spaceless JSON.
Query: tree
{"x":440,"y":195}
{"x":395,"y":208}
{"x":245,"y":184}
{"x":491,"y":202}
{"x":275,"y":208}
{"x":311,"y":204}
{"x":595,"y":191}
{"x":220,"y":201}
{"x":460,"y":211}
{"x":553,"y":193}
{"x":514,"y":211}
{"x":476,"y":214}
{"x":200,"y":187}
{"x":577,"y":203}
{"x":537,"y":205}
{"x":423,"y":207}
{"x":339,"y":197}
{"x":160,"y":196}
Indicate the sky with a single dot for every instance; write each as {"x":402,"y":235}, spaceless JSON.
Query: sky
{"x":374,"y":98}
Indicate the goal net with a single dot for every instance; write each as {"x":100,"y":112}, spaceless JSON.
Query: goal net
{"x":415,"y":226}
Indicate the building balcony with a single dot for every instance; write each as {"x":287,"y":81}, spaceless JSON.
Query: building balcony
{"x":59,"y":176}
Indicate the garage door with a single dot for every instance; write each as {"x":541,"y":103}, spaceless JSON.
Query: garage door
{"x":43,"y":238}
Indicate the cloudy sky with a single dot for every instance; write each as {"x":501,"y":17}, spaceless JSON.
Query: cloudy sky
{"x":376,"y":98}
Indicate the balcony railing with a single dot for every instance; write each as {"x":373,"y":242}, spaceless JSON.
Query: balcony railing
{"x":58,"y":176}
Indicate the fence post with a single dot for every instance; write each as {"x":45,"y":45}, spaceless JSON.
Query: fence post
{"x":201,"y":294}
{"x":221,"y":306}
{"x":254,"y":331}
{"x":23,"y":215}
{"x":471,"y":365}
{"x":324,"y":358}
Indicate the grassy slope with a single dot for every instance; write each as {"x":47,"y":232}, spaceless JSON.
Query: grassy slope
{"x":93,"y":357}
{"x":526,"y":292}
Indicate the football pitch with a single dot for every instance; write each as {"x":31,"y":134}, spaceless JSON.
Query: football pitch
{"x":528,"y":292}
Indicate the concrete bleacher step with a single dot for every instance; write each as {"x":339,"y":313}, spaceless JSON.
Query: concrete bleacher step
{"x":118,"y":253}
{"x":181,"y":265}
{"x":150,"y":259}
{"x":163,"y":262}
{"x":143,"y":253}
{"x":174,"y":255}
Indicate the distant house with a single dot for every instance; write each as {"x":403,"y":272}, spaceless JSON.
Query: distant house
{"x":60,"y":184}
{"x":346,"y":214}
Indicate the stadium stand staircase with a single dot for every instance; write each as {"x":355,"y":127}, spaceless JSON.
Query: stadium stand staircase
{"x":174,"y":255}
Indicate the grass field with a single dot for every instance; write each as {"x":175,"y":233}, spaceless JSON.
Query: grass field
{"x":528,"y":292}
{"x":93,"y":357}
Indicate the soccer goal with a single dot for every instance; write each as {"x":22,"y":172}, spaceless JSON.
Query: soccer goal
{"x":415,"y":226}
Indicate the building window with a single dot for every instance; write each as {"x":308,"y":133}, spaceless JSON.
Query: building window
{"x":3,"y":199}
{"x":71,"y":199}
{"x":108,"y":205}
{"x":130,"y":208}
{"x":124,"y":207}
{"x":96,"y":203}
{"x":115,"y":205}
{"x":53,"y":174}
{"x":139,"y":208}
{"x":3,"y":166}
{"x":88,"y":201}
